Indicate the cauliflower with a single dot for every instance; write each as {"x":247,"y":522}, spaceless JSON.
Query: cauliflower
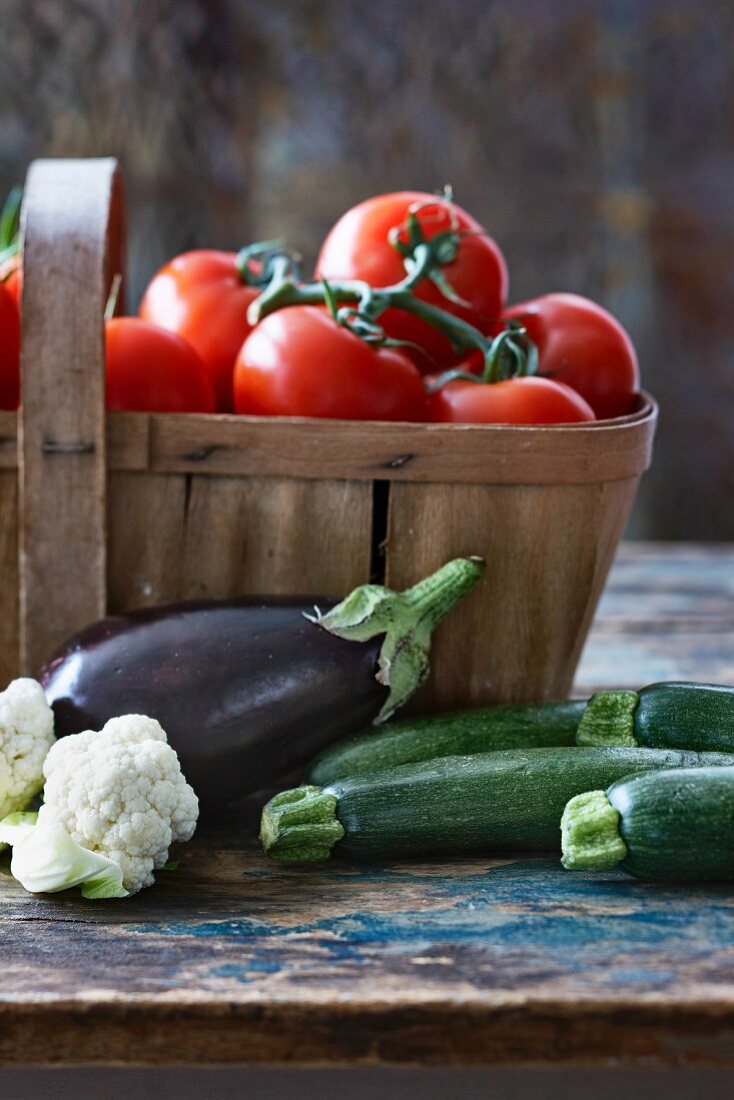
{"x":26,"y":735}
{"x":118,"y":794}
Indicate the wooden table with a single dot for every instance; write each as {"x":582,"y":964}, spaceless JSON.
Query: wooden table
{"x":476,"y":961}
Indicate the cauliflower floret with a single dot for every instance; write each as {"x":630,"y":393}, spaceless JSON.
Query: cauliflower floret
{"x":26,"y":735}
{"x":121,"y":792}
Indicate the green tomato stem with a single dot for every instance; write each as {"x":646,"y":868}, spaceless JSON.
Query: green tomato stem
{"x":282,"y":293}
{"x":372,"y":302}
{"x":423,"y":259}
{"x":276,"y":263}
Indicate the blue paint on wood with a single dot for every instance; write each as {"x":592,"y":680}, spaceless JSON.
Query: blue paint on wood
{"x":529,"y":906}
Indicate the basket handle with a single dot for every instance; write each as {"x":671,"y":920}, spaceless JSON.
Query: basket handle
{"x":72,"y":226}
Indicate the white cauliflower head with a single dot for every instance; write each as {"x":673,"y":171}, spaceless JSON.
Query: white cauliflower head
{"x":26,"y":735}
{"x":121,"y":793}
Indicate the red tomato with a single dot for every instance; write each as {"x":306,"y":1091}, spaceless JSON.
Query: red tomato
{"x":579,"y":343}
{"x":152,"y":370}
{"x":300,"y":362}
{"x":358,"y":248}
{"x":9,"y":351}
{"x":11,"y":275}
{"x":201,"y":296}
{"x":526,"y":400}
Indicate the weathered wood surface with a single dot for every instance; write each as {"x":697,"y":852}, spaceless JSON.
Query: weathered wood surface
{"x":667,"y":614}
{"x":476,"y":961}
{"x":8,"y":576}
{"x":548,"y":550}
{"x":289,"y":447}
{"x":173,"y":537}
{"x":73,"y":242}
{"x":242,"y":446}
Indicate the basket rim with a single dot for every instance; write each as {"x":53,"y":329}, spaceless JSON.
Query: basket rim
{"x":648,"y":409}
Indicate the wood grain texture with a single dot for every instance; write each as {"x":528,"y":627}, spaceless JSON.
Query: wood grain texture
{"x":668,"y":611}
{"x":276,"y":536}
{"x":548,"y":550}
{"x":146,"y":525}
{"x":482,"y":962}
{"x":8,"y":576}
{"x":173,"y":537}
{"x":8,"y":440}
{"x":232,"y":959}
{"x":73,"y":233}
{"x":128,"y":442}
{"x":290,"y":446}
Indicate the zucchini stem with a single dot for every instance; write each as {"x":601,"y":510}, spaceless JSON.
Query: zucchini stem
{"x":590,"y":838}
{"x":609,"y":720}
{"x":300,"y":826}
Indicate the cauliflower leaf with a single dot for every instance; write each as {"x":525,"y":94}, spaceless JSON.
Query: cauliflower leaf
{"x":47,"y":860}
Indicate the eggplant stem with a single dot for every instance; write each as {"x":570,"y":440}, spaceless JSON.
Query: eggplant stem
{"x":406,"y":619}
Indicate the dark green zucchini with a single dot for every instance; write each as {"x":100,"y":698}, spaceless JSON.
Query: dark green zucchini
{"x":505,"y":800}
{"x":662,"y":716}
{"x":667,"y":825}
{"x":539,"y":725}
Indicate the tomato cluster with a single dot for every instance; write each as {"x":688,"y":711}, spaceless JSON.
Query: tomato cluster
{"x":305,"y":361}
{"x":403,"y":321}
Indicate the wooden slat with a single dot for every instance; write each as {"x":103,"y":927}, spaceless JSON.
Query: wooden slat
{"x":251,"y":446}
{"x":72,"y":232}
{"x":8,"y":440}
{"x":681,"y":586}
{"x":8,"y":577}
{"x":173,"y":537}
{"x":667,"y":614}
{"x":146,"y":525}
{"x":128,"y":441}
{"x":276,"y":537}
{"x":548,"y":549}
{"x":465,"y":453}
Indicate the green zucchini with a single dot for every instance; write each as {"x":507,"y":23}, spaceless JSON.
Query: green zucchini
{"x":503,"y":800}
{"x":662,"y":716}
{"x":539,"y":725}
{"x":666,"y":825}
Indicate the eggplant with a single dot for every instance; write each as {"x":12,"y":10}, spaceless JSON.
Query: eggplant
{"x":249,"y":689}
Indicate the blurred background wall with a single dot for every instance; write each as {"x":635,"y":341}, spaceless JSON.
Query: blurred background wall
{"x":593,"y":138}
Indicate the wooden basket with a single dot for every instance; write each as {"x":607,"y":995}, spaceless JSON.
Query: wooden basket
{"x":104,"y":512}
